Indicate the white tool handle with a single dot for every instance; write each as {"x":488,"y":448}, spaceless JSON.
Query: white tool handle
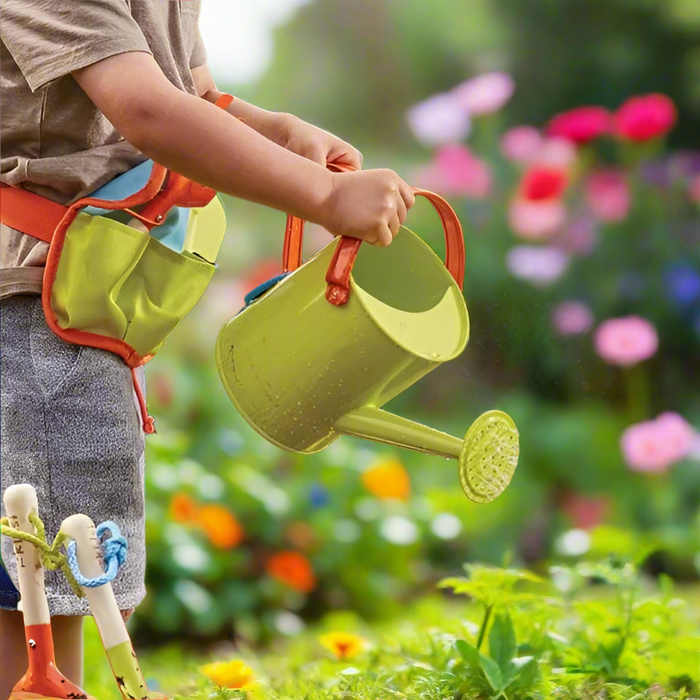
{"x":101,"y":599}
{"x":20,"y":500}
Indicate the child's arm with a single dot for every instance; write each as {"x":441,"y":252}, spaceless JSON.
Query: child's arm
{"x":202,"y":142}
{"x":284,"y":129}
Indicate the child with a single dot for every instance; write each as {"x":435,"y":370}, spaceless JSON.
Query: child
{"x":90,"y":89}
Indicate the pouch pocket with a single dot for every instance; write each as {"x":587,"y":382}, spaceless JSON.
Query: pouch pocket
{"x":119,"y":282}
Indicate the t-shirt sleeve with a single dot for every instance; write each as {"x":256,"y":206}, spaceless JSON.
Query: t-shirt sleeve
{"x":51,"y":38}
{"x":199,"y":53}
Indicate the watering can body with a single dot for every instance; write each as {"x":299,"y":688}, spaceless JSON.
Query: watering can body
{"x":298,"y":368}
{"x":318,"y":354}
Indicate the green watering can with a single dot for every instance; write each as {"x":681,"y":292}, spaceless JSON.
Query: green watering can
{"x":318,"y":354}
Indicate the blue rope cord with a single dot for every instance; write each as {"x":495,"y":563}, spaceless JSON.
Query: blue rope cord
{"x":115,"y":551}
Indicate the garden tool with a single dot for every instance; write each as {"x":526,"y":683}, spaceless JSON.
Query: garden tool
{"x":43,"y":681}
{"x":105,"y":610}
{"x":318,"y":353}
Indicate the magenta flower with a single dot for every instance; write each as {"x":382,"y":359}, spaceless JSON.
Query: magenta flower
{"x":655,"y":445}
{"x":572,"y":318}
{"x":540,"y":265}
{"x":645,"y":117}
{"x":486,"y":93}
{"x":626,"y":341}
{"x":536,"y":220}
{"x":521,"y":143}
{"x":580,"y":125}
{"x":439,"y":120}
{"x":608,"y":195}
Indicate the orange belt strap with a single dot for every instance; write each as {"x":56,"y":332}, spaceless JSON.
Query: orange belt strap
{"x":30,"y":213}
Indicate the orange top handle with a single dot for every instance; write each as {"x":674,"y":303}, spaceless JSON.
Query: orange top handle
{"x":340,"y":269}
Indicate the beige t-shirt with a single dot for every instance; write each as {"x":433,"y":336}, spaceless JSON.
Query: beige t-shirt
{"x":54,"y":141}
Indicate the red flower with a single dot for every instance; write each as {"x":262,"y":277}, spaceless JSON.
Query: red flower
{"x":543,"y":183}
{"x":585,"y":512}
{"x":645,"y":117}
{"x":293,"y":570}
{"x":580,"y":125}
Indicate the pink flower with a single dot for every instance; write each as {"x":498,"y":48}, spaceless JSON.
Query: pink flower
{"x":539,"y":265}
{"x":645,"y":117}
{"x":580,"y":125}
{"x":572,"y":318}
{"x":438,"y":120}
{"x":626,"y":341}
{"x":463,"y":173}
{"x":694,"y":189}
{"x":678,"y":433}
{"x":608,"y":195}
{"x":655,"y":445}
{"x":521,"y":143}
{"x":536,"y":220}
{"x":556,"y":152}
{"x":486,"y":93}
{"x":455,"y":172}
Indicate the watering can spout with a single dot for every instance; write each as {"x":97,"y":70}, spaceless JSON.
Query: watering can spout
{"x":487,"y":456}
{"x":375,"y":424}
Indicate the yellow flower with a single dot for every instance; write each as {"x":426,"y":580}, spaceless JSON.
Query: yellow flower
{"x":388,"y":479}
{"x":343,"y":645}
{"x":230,"y":674}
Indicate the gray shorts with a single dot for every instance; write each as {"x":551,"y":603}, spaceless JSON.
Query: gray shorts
{"x":71,"y":429}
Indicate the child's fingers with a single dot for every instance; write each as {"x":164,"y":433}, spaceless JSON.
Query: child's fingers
{"x":407,"y":194}
{"x":401,"y":209}
{"x":384,"y":236}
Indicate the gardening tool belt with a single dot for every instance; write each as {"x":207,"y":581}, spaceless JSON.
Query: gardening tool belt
{"x":125,"y":264}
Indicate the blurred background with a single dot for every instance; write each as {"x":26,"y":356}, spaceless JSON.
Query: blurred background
{"x":565,"y":136}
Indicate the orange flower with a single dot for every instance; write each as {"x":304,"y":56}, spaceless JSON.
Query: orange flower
{"x":220,"y":526}
{"x":343,"y":645}
{"x":292,"y":569}
{"x":183,"y":508}
{"x":388,"y":479}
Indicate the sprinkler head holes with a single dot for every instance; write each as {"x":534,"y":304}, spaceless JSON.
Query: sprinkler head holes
{"x":489,"y":456}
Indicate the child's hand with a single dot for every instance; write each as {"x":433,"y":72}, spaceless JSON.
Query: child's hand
{"x":370,"y":205}
{"x":313,"y":143}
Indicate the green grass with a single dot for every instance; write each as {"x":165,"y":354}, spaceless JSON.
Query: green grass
{"x":515,"y":638}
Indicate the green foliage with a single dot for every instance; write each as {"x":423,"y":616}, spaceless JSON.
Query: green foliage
{"x":616,"y":637}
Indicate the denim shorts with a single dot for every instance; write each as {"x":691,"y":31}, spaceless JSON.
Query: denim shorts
{"x":70,"y":428}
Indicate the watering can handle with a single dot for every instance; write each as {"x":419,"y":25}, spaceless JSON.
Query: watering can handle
{"x":338,"y":275}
